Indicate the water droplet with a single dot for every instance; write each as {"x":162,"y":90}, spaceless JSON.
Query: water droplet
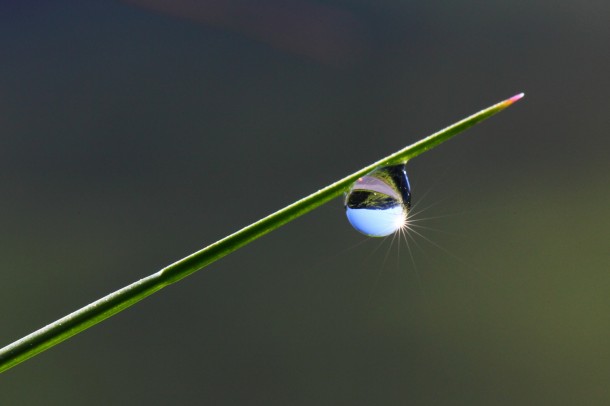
{"x":378,"y":203}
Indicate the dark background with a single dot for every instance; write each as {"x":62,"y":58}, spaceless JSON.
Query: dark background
{"x":134,"y":133}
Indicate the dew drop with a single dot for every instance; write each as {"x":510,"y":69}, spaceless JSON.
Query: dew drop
{"x":378,"y":203}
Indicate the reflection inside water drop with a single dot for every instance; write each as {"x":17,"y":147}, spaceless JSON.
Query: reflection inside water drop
{"x":378,"y":203}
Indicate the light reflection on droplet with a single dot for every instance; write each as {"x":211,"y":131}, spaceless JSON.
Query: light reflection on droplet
{"x":377,"y":205}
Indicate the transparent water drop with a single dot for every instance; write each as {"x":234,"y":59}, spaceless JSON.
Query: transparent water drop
{"x":378,"y":203}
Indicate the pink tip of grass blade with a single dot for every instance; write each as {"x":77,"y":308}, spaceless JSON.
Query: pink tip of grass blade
{"x":514,"y":98}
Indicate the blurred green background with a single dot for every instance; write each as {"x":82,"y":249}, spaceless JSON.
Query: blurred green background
{"x":133,"y":133}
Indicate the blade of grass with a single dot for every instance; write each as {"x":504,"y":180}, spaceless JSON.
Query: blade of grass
{"x":115,"y":302}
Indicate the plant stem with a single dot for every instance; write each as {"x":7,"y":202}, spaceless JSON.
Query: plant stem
{"x":115,"y":302}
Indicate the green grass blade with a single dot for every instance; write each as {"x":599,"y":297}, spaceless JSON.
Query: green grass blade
{"x":115,"y":302}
